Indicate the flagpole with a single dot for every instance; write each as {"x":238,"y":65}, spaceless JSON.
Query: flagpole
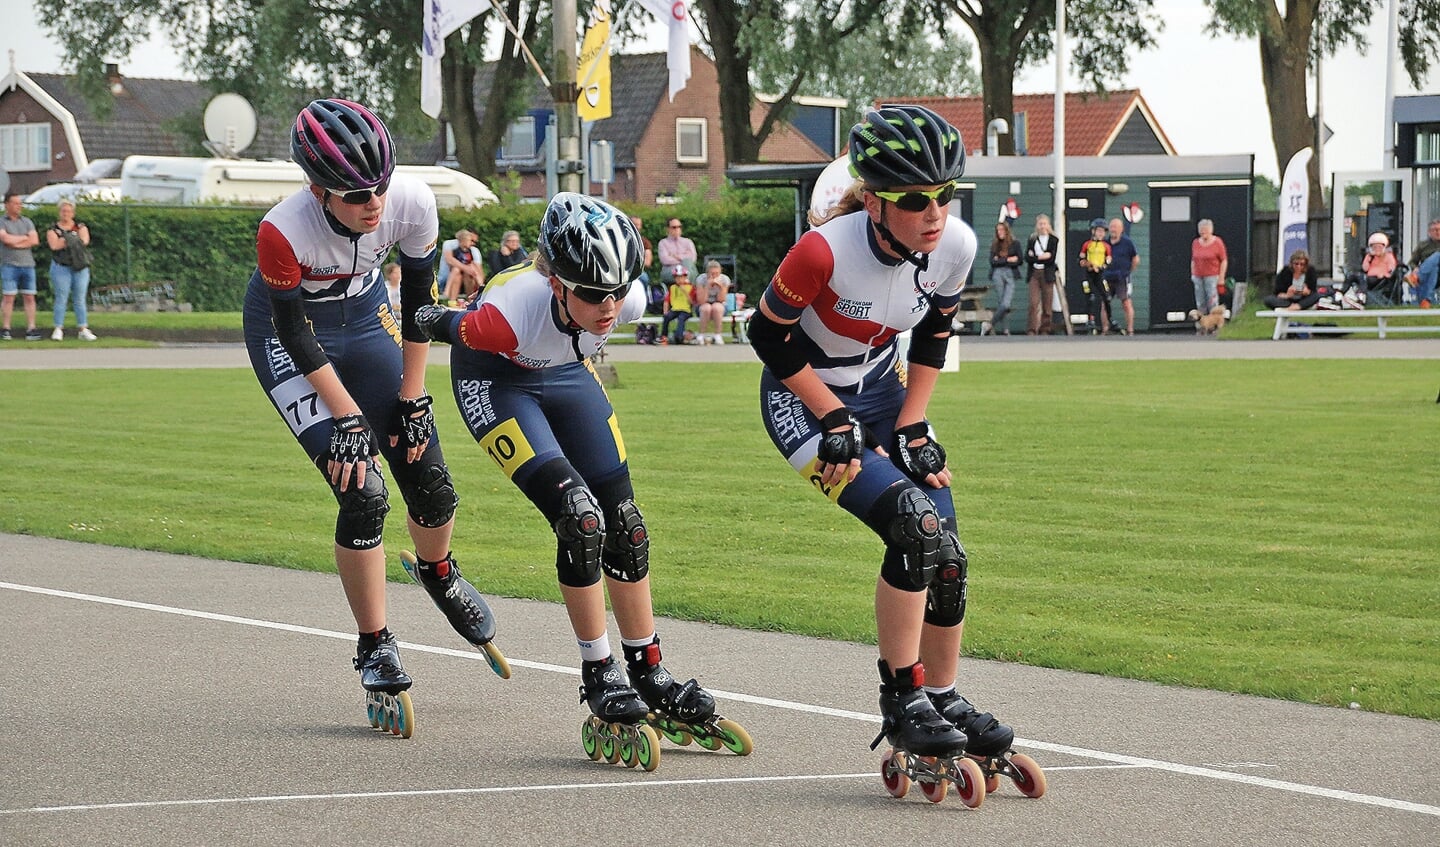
{"x":568,"y":165}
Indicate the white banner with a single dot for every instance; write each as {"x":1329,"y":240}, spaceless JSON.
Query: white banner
{"x":441,"y":17}
{"x":1294,"y":208}
{"x":674,"y":14}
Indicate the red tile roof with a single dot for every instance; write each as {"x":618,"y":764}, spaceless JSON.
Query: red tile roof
{"x":1091,"y":120}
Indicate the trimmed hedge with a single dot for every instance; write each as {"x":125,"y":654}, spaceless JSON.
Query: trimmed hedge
{"x":208,"y":252}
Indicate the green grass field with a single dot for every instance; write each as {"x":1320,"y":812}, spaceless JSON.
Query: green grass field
{"x":1266,"y":527}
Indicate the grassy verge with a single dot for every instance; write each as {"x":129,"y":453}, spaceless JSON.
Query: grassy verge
{"x":1180,"y":522}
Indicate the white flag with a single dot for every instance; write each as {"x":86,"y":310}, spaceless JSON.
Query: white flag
{"x":441,"y":17}
{"x":675,"y":14}
{"x":1294,"y":208}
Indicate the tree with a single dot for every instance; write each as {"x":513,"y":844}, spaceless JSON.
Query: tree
{"x":1014,"y":33}
{"x":742,"y":34}
{"x":1289,"y":43}
{"x":279,"y":53}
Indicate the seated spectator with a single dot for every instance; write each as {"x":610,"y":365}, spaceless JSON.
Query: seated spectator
{"x":1379,"y":263}
{"x":1426,"y":276}
{"x":677,"y":305}
{"x":710,"y":296}
{"x":1296,"y":286}
{"x":509,"y":255}
{"x":463,"y":273}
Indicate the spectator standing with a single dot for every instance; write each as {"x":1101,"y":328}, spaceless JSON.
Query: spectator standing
{"x":1004,"y":274}
{"x":509,"y":254}
{"x":18,"y":239}
{"x":1208,"y":262}
{"x":676,"y":250}
{"x":710,"y":294}
{"x":1040,"y":254}
{"x":1094,"y":259}
{"x":677,"y":305}
{"x":392,"y":285}
{"x":1297,"y":286}
{"x":1124,"y":259}
{"x":69,"y":242}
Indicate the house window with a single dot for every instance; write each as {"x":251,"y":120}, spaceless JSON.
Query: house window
{"x":519,"y":140}
{"x":25,"y":147}
{"x":690,"y":141}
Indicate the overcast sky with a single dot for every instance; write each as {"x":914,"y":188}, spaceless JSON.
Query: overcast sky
{"x":1206,"y":93}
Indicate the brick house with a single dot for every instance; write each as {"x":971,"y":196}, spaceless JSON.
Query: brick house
{"x":1118,"y":123}
{"x":659,"y":146}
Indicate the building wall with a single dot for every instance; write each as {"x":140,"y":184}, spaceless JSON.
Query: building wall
{"x":18,"y":107}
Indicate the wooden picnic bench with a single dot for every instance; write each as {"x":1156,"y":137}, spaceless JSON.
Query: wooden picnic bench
{"x":1333,"y":322}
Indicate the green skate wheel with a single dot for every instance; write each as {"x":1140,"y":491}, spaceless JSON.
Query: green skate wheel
{"x":589,"y":739}
{"x":610,"y":744}
{"x":708,"y":741}
{"x":672,"y":731}
{"x":647,"y":749}
{"x":629,"y":757}
{"x":734,"y":737}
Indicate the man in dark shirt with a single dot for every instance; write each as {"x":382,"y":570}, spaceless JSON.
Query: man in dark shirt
{"x":1124,"y":259}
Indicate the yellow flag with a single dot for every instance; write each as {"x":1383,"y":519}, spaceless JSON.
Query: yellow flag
{"x":594,"y":73}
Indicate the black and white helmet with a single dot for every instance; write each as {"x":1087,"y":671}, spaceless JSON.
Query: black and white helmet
{"x":589,"y":243}
{"x":905,"y":145}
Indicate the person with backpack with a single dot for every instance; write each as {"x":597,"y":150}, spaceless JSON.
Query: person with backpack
{"x":69,"y":242}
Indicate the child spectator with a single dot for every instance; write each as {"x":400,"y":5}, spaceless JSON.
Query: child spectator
{"x":677,"y":305}
{"x":1094,"y":259}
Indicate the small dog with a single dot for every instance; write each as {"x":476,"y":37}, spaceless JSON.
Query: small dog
{"x":1208,"y":324}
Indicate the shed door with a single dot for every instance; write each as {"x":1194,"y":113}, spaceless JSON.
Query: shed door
{"x":1176,"y":212}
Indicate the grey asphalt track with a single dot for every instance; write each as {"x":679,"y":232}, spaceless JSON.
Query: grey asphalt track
{"x":155,"y":699}
{"x":165,"y":700}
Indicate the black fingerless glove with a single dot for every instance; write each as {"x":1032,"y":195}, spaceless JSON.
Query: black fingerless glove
{"x":919,"y":461}
{"x":434,"y":321}
{"x":841,"y":448}
{"x":351,"y":441}
{"x":413,"y":421}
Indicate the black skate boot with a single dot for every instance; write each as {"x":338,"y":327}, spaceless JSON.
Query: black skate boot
{"x":985,"y":736}
{"x":614,"y":731}
{"x":387,"y":699}
{"x":686,"y":703}
{"x":379,"y":665}
{"x":908,"y":718}
{"x":463,"y":606}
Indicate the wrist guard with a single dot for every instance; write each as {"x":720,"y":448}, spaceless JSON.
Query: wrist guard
{"x":413,"y":421}
{"x":925,"y":458}
{"x":351,"y":441}
{"x":434,"y":322}
{"x":841,"y":448}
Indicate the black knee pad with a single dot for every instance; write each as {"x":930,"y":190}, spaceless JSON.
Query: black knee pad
{"x":361,"y":522}
{"x":580,"y":531}
{"x":945,"y":603}
{"x":627,"y":543}
{"x":430,"y":498}
{"x":906,"y":519}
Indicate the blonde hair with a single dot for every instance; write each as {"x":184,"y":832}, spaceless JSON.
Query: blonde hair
{"x":852,"y":201}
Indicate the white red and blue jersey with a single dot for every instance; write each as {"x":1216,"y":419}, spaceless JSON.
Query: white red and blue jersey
{"x":518,"y":317}
{"x":851,"y":299}
{"x":300,"y":254}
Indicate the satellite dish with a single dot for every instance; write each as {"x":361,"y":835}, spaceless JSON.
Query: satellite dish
{"x":229,"y":124}
{"x":830,"y":186}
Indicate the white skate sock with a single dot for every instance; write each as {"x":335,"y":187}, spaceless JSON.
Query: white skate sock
{"x":939,"y":689}
{"x":638,"y":642}
{"x":597,"y":650}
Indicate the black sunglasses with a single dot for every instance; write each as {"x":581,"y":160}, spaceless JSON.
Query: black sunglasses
{"x":362,"y":196}
{"x":918,"y":201}
{"x":595,"y":296}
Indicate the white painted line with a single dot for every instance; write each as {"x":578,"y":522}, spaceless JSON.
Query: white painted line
{"x":1114,"y":758}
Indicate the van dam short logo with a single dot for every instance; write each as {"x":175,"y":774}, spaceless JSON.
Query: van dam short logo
{"x":787,"y":417}
{"x":475,"y":403}
{"x":281,"y":364}
{"x":858,"y":309}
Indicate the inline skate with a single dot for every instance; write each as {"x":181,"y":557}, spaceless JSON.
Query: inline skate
{"x":988,"y":743}
{"x":387,"y":695}
{"x":682,"y":712}
{"x":463,"y":606}
{"x":615,"y":730}
{"x":925,"y":748}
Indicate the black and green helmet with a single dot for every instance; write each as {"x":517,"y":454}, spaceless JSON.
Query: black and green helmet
{"x":905,"y":145}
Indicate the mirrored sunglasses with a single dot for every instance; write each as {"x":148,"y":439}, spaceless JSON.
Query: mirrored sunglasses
{"x":918,"y":201}
{"x":362,"y":196}
{"x":595,"y":296}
